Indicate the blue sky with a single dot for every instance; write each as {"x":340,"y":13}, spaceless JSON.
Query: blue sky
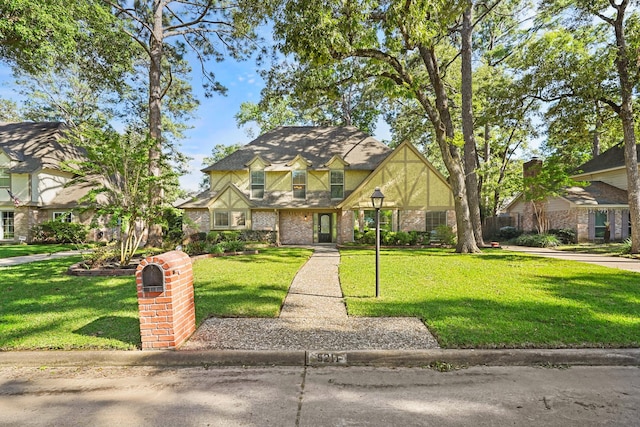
{"x":215,"y":122}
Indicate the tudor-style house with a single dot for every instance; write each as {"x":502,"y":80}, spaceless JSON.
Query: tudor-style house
{"x":33,"y":185}
{"x":313,"y":185}
{"x":601,"y":207}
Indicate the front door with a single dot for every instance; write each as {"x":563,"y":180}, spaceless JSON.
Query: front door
{"x":324,"y":232}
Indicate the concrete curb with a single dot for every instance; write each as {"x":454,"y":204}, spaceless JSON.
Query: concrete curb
{"x":389,"y":358}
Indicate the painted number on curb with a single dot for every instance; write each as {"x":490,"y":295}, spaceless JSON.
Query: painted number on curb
{"x":325,"y":358}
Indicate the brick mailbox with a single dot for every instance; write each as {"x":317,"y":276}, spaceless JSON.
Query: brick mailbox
{"x":165,"y":300}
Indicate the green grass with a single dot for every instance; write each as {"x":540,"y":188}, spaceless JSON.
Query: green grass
{"x":614,"y":249}
{"x":43,"y":308}
{"x":8,"y":251}
{"x":498,"y":299}
{"x":246,"y":286}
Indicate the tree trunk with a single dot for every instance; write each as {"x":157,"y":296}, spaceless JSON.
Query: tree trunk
{"x":155,"y":121}
{"x":443,"y":125}
{"x":470,"y":154}
{"x":628,"y":128}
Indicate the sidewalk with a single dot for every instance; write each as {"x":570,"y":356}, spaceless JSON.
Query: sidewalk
{"x":313,"y":317}
{"x":605,"y":261}
{"x":17,"y":260}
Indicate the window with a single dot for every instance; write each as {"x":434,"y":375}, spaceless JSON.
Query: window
{"x":257,"y":184}
{"x":600,"y":224}
{"x":435,"y":219}
{"x":5,"y":179}
{"x":63,"y":216}
{"x":299,"y":184}
{"x":337,"y":184}
{"x":229,"y":219}
{"x":6,"y":225}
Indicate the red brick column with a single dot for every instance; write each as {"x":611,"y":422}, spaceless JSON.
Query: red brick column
{"x":167,"y":318}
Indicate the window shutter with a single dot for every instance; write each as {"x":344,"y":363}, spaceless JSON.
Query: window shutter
{"x":591,"y":224}
{"x":611,"y":217}
{"x":625,"y":224}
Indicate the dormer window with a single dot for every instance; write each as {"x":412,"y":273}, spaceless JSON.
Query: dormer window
{"x":257,"y":184}
{"x":5,"y":179}
{"x":299,"y":184}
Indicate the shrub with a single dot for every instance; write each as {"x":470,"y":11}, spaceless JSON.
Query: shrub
{"x":387,"y":238}
{"x":233,"y":246}
{"x":229,"y":236}
{"x":217,"y":248}
{"x":537,"y":240}
{"x":213,"y":237}
{"x":196,"y":247}
{"x":508,"y":233}
{"x":626,"y":246}
{"x":565,"y":235}
{"x":100,"y":256}
{"x":403,"y":238}
{"x":445,"y":235}
{"x":60,"y":232}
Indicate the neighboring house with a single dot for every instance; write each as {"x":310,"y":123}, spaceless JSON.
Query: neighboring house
{"x":592,"y":211}
{"x":313,"y":185}
{"x":33,"y":186}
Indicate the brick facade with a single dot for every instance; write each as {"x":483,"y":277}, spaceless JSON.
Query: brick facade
{"x":196,"y":220}
{"x":264,"y":220}
{"x":167,"y":318}
{"x":345,"y":226}
{"x":412,"y":220}
{"x":296,"y":228}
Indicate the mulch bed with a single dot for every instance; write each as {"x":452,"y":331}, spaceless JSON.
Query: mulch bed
{"x":114,"y":269}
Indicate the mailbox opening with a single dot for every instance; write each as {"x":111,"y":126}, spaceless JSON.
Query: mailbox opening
{"x":152,"y":278}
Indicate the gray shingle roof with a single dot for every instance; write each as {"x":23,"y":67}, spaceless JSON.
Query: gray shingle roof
{"x":610,"y":159}
{"x":318,"y":145}
{"x":597,"y":193}
{"x":36,"y":145}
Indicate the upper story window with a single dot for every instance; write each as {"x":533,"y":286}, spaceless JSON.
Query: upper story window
{"x":257,"y":184}
{"x":337,"y":184}
{"x":63,"y":216}
{"x":299,"y":184}
{"x":5,"y":179}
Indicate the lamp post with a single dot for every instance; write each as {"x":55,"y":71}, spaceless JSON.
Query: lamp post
{"x":376,"y":200}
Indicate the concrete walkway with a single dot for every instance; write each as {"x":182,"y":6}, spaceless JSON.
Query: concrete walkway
{"x":605,"y":261}
{"x":17,"y":260}
{"x":313,"y":317}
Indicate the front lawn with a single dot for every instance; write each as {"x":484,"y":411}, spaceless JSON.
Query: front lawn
{"x":43,"y":308}
{"x":498,"y":298}
{"x":246,"y":286}
{"x":8,"y":251}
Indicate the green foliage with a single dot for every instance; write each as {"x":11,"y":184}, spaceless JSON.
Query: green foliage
{"x":55,"y":231}
{"x":565,"y":235}
{"x":537,"y":240}
{"x":445,"y":235}
{"x":233,"y":246}
{"x":508,"y":232}
{"x":626,"y":246}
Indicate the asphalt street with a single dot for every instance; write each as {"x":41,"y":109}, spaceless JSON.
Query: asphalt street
{"x":320,"y":396}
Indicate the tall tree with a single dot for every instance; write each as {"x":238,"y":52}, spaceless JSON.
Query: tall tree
{"x":400,"y":44}
{"x":623,"y":25}
{"x":468,"y":126}
{"x":166,"y":30}
{"x":39,"y":35}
